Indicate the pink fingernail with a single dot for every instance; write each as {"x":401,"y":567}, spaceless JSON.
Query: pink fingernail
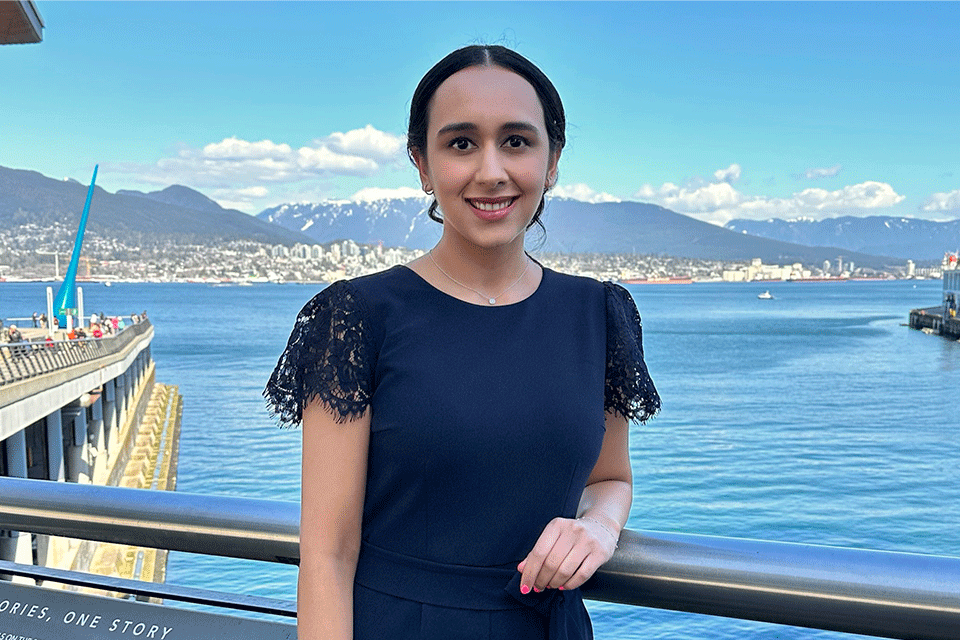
{"x":524,"y":589}
{"x":535,"y":590}
{"x":560,"y":588}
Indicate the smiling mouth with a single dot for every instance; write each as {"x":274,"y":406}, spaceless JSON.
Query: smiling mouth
{"x":492,"y":205}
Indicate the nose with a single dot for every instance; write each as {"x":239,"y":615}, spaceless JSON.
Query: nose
{"x":491,"y":170}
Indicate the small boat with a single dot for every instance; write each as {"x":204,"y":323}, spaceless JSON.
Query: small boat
{"x":766,"y":295}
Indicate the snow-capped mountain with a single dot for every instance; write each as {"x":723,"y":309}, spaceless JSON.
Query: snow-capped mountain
{"x":905,"y":238}
{"x":392,"y":221}
{"x":573,"y":226}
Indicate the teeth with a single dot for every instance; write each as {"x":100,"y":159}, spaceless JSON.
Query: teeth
{"x":492,"y":206}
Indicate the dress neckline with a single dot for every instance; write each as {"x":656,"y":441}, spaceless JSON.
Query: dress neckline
{"x":444,"y":294}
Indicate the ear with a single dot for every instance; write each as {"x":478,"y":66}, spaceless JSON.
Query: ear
{"x":552,"y":170}
{"x":420,"y":160}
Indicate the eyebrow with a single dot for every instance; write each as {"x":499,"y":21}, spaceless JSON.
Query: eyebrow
{"x":457,"y":127}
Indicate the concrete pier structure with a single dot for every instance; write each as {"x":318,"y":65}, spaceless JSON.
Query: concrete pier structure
{"x":90,"y":412}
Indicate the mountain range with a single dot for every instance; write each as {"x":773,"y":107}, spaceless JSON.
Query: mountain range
{"x":906,"y":238}
{"x":572,"y":227}
{"x":176,"y":214}
{"x":183,"y":215}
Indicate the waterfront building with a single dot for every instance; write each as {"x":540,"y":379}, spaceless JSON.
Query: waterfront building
{"x":300,"y":251}
{"x":759,"y":271}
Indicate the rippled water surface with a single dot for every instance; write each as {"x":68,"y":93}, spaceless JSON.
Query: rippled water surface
{"x":813,"y":417}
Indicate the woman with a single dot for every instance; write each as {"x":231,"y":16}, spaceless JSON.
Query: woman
{"x":465,"y":445}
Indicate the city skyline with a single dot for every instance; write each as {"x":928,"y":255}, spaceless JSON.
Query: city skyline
{"x":716,"y":110}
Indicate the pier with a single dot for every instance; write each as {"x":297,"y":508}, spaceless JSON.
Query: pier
{"x":86,"y":412}
{"x":942,"y":320}
{"x":931,"y":320}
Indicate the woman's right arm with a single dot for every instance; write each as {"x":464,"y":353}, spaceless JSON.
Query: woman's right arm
{"x":331,"y":508}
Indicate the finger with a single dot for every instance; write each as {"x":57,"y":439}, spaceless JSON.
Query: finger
{"x":534,"y":560}
{"x":584,"y":572}
{"x":562,"y":549}
{"x":568,"y":568}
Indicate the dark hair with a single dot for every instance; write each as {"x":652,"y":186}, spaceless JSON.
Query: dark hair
{"x":485,"y":55}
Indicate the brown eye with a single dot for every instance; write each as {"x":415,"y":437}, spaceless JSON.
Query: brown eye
{"x":516,"y":142}
{"x":460,"y":144}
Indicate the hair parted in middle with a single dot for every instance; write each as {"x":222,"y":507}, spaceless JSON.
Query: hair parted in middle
{"x":485,"y":55}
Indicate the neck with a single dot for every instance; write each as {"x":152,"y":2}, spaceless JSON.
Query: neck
{"x":487,"y":269}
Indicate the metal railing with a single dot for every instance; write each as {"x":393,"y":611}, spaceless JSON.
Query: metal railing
{"x":29,"y":359}
{"x":885,"y":594}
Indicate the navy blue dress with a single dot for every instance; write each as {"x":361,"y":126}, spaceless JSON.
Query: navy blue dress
{"x":486,"y":422}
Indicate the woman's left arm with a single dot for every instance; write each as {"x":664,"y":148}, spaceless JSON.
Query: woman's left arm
{"x":569,"y":550}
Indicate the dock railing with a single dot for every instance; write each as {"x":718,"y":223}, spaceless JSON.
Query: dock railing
{"x":32,"y":358}
{"x":884,"y":594}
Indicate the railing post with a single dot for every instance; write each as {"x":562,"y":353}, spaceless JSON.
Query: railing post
{"x":14,"y":545}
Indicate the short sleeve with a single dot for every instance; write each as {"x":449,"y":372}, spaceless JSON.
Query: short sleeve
{"x":629,"y":391}
{"x":327,"y":358}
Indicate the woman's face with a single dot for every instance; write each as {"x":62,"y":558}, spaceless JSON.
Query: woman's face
{"x":488,"y":158}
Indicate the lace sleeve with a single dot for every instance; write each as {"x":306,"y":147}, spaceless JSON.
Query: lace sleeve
{"x":629,"y":390}
{"x":327,"y":357}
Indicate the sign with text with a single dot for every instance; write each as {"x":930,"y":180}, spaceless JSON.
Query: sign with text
{"x":35,"y":613}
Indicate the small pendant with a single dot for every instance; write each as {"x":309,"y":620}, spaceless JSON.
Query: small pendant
{"x":492,"y":301}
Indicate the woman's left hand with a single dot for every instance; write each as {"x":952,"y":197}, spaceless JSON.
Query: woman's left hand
{"x":567,"y":553}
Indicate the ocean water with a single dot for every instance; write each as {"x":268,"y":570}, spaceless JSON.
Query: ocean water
{"x":814,"y":417}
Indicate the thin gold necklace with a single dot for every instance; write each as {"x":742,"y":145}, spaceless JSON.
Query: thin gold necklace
{"x":490,"y":299}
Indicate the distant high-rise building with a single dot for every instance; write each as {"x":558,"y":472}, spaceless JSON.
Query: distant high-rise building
{"x":826,"y":266}
{"x":911,"y":269}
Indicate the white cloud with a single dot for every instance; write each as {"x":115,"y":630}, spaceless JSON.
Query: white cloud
{"x":719,"y":201}
{"x":582,"y":192}
{"x":949,"y":201}
{"x":241,"y":199}
{"x":234,"y":162}
{"x":376,"y":193}
{"x":866,"y":195}
{"x":237,"y":149}
{"x":366,"y":142}
{"x":254,"y":192}
{"x":322,"y":160}
{"x":730,"y":174}
{"x":822,"y":172}
{"x":713,"y":196}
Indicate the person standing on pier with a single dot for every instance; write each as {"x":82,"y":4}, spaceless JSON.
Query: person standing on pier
{"x":14,"y":335}
{"x":465,"y":416}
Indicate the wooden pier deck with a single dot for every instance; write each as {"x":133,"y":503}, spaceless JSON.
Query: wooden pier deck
{"x":931,"y":320}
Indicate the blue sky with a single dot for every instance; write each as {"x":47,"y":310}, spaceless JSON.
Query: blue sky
{"x":717,"y":110}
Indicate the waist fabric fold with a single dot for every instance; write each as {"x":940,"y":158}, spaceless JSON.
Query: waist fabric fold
{"x":470,"y":587}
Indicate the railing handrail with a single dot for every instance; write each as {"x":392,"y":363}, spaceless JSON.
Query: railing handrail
{"x":31,"y":358}
{"x":886,"y":594}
